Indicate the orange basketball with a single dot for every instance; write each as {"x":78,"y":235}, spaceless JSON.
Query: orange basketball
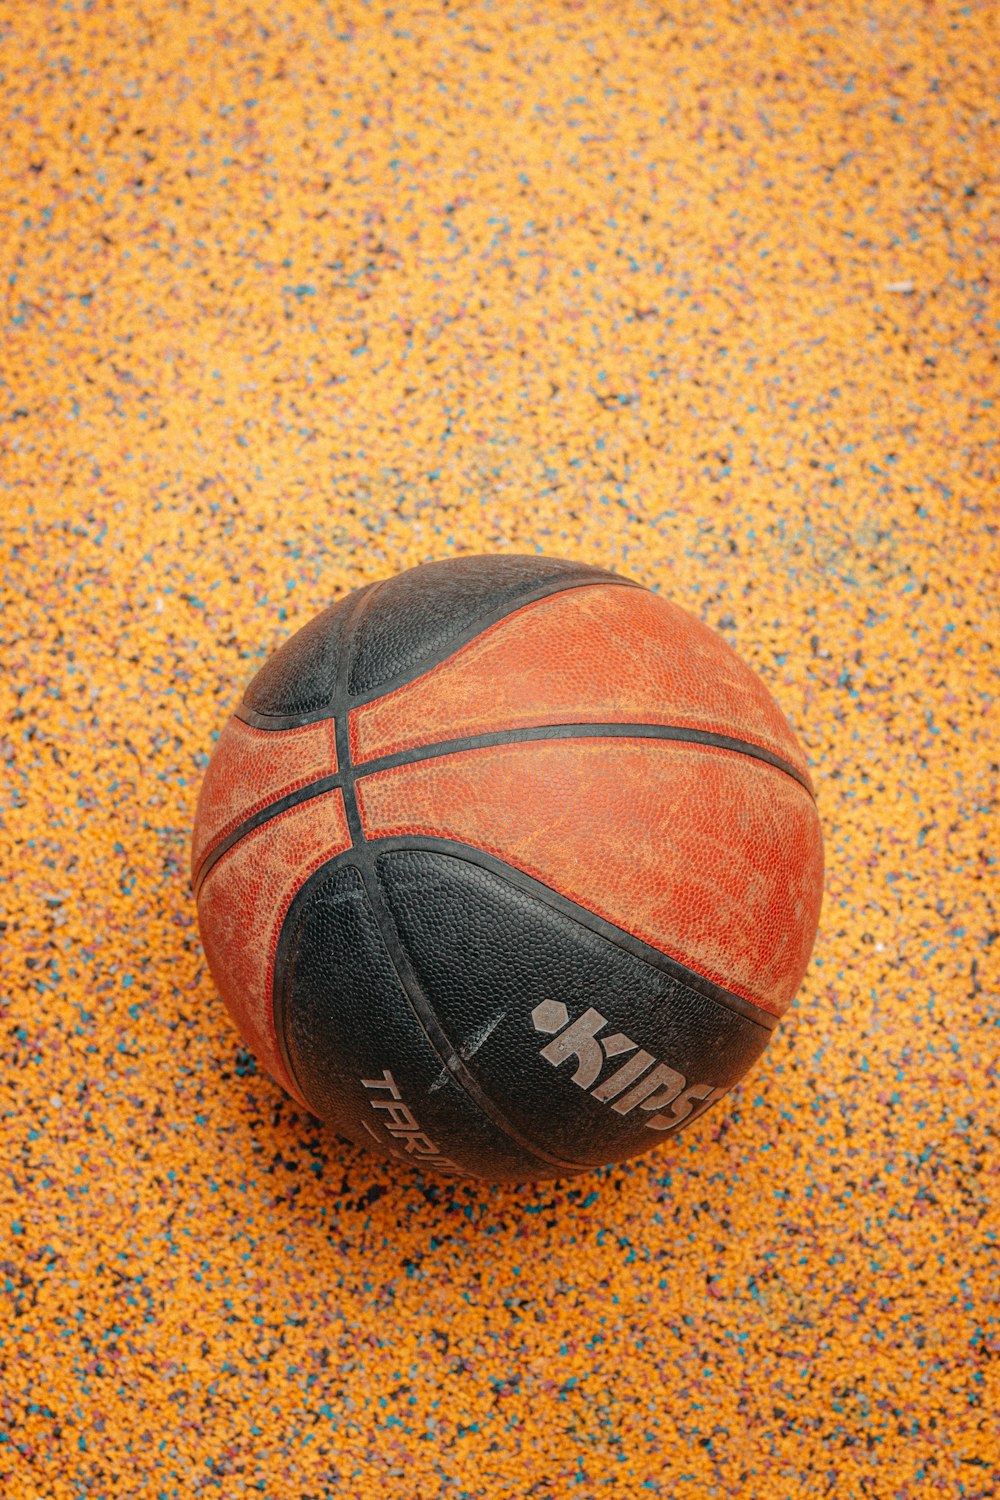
{"x":507,"y":866}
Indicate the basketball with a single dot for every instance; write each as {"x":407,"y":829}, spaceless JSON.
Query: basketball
{"x":507,"y":866}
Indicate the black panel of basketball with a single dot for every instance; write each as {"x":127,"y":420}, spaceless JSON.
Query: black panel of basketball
{"x":301,"y":675}
{"x":488,"y":953}
{"x":345,"y":1019}
{"x":489,"y":956}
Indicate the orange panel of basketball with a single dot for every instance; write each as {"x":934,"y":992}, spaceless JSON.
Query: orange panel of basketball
{"x":252,"y":769}
{"x":241,"y":905}
{"x":572,"y":658}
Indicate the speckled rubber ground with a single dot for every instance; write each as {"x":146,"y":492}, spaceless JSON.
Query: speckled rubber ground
{"x":300,"y":295}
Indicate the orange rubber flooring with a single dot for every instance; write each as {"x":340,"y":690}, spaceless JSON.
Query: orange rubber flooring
{"x":298,"y":296}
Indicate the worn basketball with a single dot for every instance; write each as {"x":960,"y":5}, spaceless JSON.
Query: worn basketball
{"x":507,"y":866}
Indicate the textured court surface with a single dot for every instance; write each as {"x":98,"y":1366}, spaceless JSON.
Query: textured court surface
{"x":298,"y":296}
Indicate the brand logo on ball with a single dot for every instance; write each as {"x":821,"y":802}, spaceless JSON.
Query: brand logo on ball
{"x":640,"y":1083}
{"x":402,"y":1125}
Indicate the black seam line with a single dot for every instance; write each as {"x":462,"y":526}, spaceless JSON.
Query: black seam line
{"x":582,"y":731}
{"x":654,"y":957}
{"x":263,"y":815}
{"x":349,"y":773}
{"x":485,"y":622}
{"x":363,"y":861}
{"x":361,"y":858}
{"x":281,"y":721}
{"x":345,"y":626}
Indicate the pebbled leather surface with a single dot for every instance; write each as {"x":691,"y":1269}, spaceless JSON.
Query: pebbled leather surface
{"x":417,"y":613}
{"x":347,"y":1018}
{"x":242,"y":905}
{"x":710,"y":856}
{"x":251,"y":768}
{"x":488,"y":954}
{"x":604,"y":654}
